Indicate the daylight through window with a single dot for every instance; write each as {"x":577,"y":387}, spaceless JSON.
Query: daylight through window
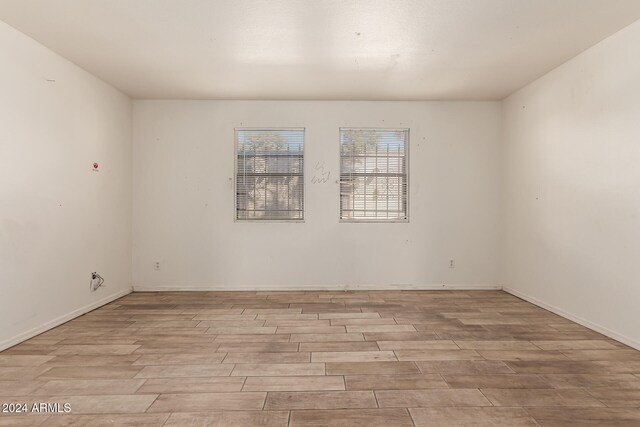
{"x":269,"y":174}
{"x":373,"y":174}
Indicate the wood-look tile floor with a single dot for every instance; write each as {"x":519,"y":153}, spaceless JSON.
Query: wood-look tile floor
{"x":393,"y":358}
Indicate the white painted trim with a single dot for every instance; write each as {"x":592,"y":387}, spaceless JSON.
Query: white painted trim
{"x":586,"y":323}
{"x":335,"y":287}
{"x":60,"y":320}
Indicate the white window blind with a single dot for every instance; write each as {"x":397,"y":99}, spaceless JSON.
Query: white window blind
{"x":269,"y":174}
{"x":373,"y":174}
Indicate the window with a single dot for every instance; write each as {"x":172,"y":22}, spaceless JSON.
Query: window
{"x":373,"y":174}
{"x":269,"y":174}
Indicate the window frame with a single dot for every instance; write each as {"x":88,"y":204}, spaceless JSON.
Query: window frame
{"x":235,"y":174}
{"x":407,"y":179}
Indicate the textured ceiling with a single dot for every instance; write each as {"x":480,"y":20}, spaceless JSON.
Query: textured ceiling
{"x":315,"y":49}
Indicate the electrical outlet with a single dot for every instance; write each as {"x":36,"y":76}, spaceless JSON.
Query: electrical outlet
{"x":452,"y":263}
{"x":156,"y":265}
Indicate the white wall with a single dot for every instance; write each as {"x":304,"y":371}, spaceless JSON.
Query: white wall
{"x":572,"y":197}
{"x":59,"y":220}
{"x":184,"y":201}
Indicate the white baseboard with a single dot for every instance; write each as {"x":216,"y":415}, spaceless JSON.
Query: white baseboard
{"x":60,"y":320}
{"x":336,"y":287}
{"x":586,"y":323}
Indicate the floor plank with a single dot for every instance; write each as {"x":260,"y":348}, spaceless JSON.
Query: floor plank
{"x":477,"y":417}
{"x":196,"y":402}
{"x":192,"y":385}
{"x":278,"y":369}
{"x":430,"y":398}
{"x":129,"y":420}
{"x":540,"y":397}
{"x":230,"y":418}
{"x":567,"y":416}
{"x":310,"y":383}
{"x":351,"y":417}
{"x":353,"y":356}
{"x":320,"y":400}
{"x":394,"y":382}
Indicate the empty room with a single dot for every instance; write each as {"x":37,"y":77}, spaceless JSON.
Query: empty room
{"x":319,"y":213}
